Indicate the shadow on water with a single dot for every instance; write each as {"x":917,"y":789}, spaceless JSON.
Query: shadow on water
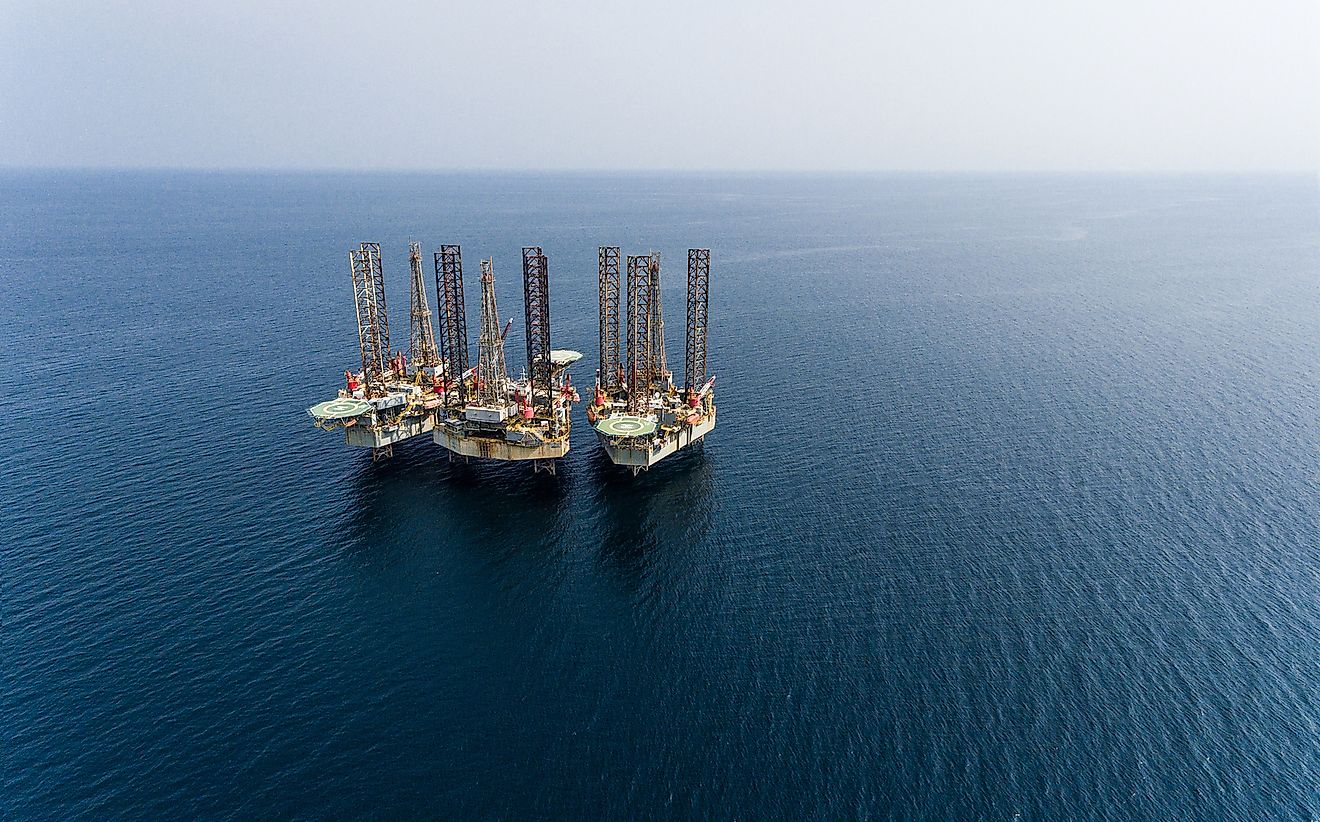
{"x":420,"y":497}
{"x":647,"y":533}
{"x":653,"y":523}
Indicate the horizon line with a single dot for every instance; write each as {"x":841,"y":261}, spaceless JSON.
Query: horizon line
{"x":1236,"y":171}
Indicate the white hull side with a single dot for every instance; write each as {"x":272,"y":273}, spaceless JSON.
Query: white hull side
{"x":642,"y":458}
{"x":496,"y":449}
{"x":363,"y":437}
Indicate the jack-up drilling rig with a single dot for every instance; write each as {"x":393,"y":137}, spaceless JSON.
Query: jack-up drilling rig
{"x":484,"y":413}
{"x":394,"y":396}
{"x":639,"y":415}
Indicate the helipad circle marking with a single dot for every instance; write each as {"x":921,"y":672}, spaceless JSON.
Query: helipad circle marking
{"x":340,"y":408}
{"x":625,"y":425}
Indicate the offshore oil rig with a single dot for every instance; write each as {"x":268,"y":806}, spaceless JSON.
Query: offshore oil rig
{"x":490,"y":415}
{"x":394,"y":397}
{"x":476,"y":411}
{"x":639,"y":415}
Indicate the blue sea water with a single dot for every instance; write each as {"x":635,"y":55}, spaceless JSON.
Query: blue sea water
{"x":1011,"y":512}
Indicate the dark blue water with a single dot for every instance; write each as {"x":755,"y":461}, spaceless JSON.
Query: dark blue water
{"x":1011,"y":511}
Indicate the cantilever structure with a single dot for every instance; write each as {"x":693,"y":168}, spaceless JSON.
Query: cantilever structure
{"x":638,"y":414}
{"x":485,"y":414}
{"x":389,"y":400}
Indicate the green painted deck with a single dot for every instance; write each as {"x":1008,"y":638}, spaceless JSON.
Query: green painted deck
{"x":626,"y":425}
{"x":339,"y":409}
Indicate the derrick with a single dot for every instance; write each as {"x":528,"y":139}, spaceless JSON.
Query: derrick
{"x":422,"y":350}
{"x":659,"y":375}
{"x":640,"y":313}
{"x":453,"y":321}
{"x":492,"y":378}
{"x":372,"y":318}
{"x":611,"y":364}
{"x":536,"y":300}
{"x":698,"y":302}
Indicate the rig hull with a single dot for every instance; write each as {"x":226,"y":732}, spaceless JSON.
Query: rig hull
{"x":491,"y":448}
{"x":365,"y":437}
{"x":642,"y":455}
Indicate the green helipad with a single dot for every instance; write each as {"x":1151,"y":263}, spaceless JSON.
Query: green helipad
{"x":339,"y":409}
{"x":626,"y":425}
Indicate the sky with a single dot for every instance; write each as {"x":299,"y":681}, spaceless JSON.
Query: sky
{"x":1048,"y":85}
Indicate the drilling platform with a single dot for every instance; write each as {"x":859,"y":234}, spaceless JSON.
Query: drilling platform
{"x":639,"y":415}
{"x":482,"y":412}
{"x":394,"y":397}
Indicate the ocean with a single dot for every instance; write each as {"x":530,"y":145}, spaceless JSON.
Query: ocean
{"x":1011,"y":511}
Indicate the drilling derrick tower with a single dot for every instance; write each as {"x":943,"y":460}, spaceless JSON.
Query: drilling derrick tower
{"x":422,"y":350}
{"x":373,"y":321}
{"x":649,"y":419}
{"x":640,"y":338}
{"x":453,"y":323}
{"x":698,"y":302}
{"x":610,"y":376}
{"x":536,"y":299}
{"x":659,"y":368}
{"x":492,"y":388}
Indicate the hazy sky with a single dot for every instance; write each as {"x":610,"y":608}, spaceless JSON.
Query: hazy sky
{"x":1003,"y":84}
